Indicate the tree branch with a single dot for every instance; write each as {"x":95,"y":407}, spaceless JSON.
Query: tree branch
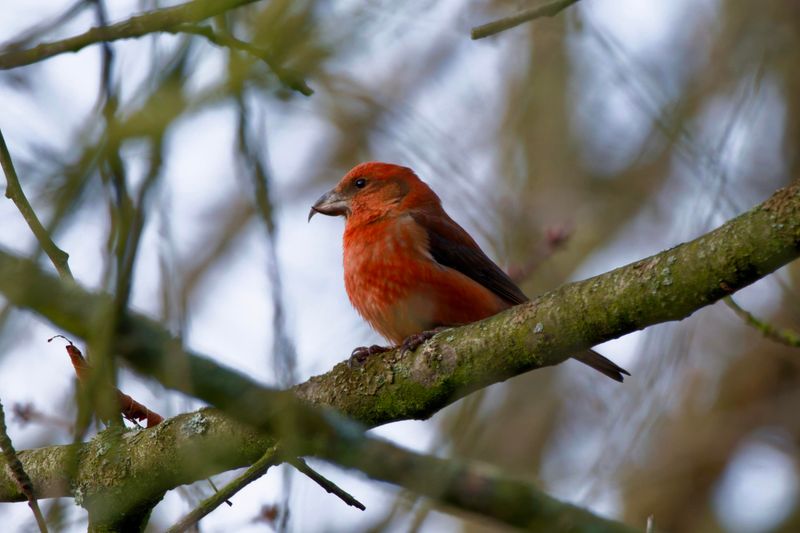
{"x":154,"y":21}
{"x":183,"y":18}
{"x":17,"y":472}
{"x":550,"y":9}
{"x":290,"y":79}
{"x":253,"y":472}
{"x":329,"y":486}
{"x":786,"y":337}
{"x":394,"y":386}
{"x":120,"y":469}
{"x":15,"y":193}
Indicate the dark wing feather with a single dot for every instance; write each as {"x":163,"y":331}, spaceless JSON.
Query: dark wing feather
{"x":452,"y":247}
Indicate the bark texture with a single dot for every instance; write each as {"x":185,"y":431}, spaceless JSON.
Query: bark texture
{"x":141,"y":465}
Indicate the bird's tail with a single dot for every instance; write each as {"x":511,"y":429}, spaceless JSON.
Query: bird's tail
{"x":602,"y":364}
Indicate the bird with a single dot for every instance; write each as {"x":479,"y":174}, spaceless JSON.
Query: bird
{"x":410,"y":270}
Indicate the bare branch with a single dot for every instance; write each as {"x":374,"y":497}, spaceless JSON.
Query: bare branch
{"x":183,"y":18}
{"x":14,"y":192}
{"x":547,"y":10}
{"x":326,"y":483}
{"x":783,"y":336}
{"x":255,"y":471}
{"x":18,"y":472}
{"x":223,"y":444}
{"x":157,"y":20}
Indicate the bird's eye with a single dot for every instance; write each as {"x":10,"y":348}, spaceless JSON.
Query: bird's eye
{"x":361,"y":183}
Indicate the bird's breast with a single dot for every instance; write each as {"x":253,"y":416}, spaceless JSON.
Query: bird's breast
{"x":384,"y":266}
{"x":395,"y":284}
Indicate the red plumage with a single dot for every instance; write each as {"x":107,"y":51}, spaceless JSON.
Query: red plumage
{"x":408,"y":266}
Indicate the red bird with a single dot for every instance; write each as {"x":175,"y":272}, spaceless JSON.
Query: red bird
{"x":410,"y":269}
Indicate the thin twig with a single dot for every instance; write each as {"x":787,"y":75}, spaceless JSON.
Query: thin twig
{"x":26,"y":37}
{"x":18,"y":472}
{"x":284,"y":355}
{"x":154,"y":21}
{"x":254,"y":161}
{"x":325,"y":483}
{"x":781,"y":335}
{"x":496,"y":26}
{"x":134,"y":227}
{"x":256,"y":470}
{"x":182,"y":18}
{"x":14,"y":192}
{"x":97,"y":397}
{"x":216,"y":489}
{"x":286,"y":76}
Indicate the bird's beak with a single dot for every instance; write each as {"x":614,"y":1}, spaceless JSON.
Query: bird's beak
{"x":331,"y":203}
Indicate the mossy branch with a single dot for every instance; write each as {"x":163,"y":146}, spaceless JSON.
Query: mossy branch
{"x":667,"y":286}
{"x":157,"y":20}
{"x":393,"y":386}
{"x":17,"y":472}
{"x":118,"y":470}
{"x":784,"y":336}
{"x":182,"y":18}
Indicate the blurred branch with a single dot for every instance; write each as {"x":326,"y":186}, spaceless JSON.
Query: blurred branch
{"x":24,"y":38}
{"x":547,"y":10}
{"x":95,"y":396}
{"x":255,"y":471}
{"x":182,"y":18}
{"x":783,"y":336}
{"x":154,"y":21}
{"x":17,"y":472}
{"x":220,"y":242}
{"x":253,"y":163}
{"x":223,"y":444}
{"x":14,"y":192}
{"x":286,"y":76}
{"x":329,"y":486}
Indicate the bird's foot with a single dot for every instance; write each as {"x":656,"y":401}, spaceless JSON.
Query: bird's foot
{"x":412,"y":342}
{"x":362,"y":353}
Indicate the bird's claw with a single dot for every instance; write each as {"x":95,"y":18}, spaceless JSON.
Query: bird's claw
{"x":412,"y":342}
{"x":362,"y":353}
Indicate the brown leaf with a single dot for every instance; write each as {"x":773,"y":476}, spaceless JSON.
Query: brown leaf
{"x":129,"y":408}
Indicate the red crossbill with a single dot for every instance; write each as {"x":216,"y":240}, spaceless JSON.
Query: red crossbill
{"x":410,"y":269}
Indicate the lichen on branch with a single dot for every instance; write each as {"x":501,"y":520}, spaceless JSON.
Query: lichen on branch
{"x":394,"y":386}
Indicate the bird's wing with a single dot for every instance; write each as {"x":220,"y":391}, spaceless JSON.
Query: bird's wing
{"x":451,"y":246}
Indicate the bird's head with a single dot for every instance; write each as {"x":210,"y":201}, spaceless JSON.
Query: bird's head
{"x":372,"y":190}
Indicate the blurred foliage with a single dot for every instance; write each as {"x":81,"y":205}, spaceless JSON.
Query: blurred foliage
{"x":630,"y":139}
